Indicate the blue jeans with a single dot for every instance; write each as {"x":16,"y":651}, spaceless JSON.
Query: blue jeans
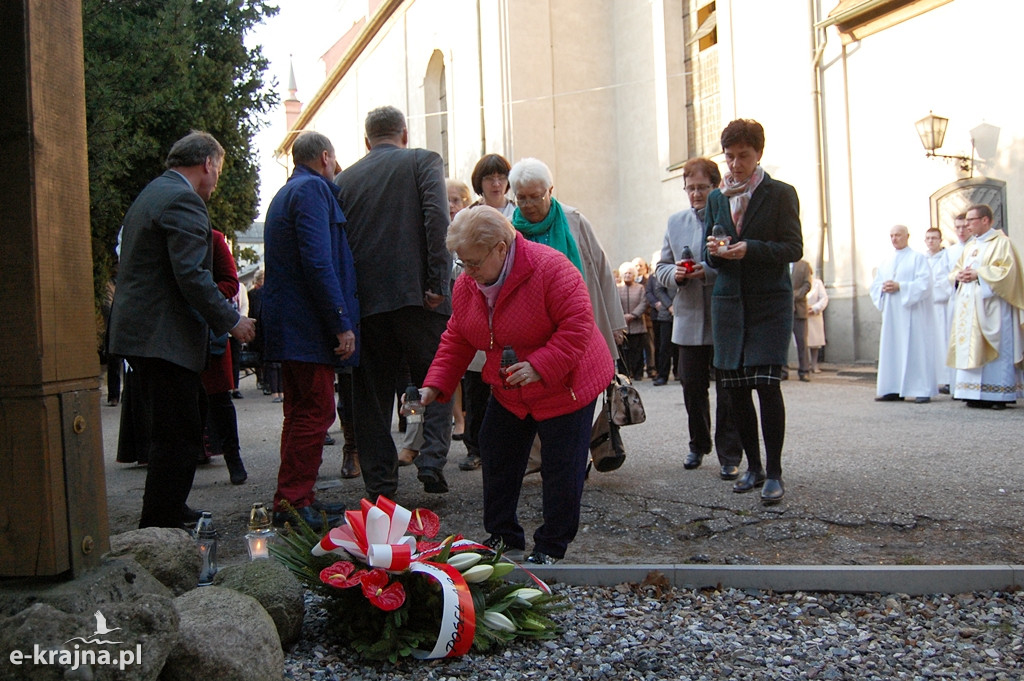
{"x":505,"y":442}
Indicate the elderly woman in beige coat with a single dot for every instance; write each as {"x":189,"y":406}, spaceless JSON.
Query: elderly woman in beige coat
{"x":540,"y":217}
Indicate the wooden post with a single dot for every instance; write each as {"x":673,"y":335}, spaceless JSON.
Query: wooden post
{"x":53,"y":503}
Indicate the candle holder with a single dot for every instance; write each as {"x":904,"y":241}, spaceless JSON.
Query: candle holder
{"x":260,"y":533}
{"x":206,"y":540}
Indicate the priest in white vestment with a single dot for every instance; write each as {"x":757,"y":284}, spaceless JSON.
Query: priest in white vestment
{"x":987,"y":344}
{"x":953,"y":253}
{"x":942,"y":289}
{"x":902,"y":291}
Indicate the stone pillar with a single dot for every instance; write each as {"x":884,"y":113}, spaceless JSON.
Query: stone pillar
{"x":53,"y":504}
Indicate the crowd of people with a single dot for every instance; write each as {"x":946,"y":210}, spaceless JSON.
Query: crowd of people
{"x":387,"y":281}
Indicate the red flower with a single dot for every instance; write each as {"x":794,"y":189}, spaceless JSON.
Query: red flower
{"x":374,"y":583}
{"x":338,"y":575}
{"x":424,"y":523}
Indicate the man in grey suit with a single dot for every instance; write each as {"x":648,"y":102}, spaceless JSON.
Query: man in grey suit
{"x":397,"y":208}
{"x":164,"y":308}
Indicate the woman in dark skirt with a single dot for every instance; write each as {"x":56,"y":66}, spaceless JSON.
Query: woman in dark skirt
{"x":752,"y":302}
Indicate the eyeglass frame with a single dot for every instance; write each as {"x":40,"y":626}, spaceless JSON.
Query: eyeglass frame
{"x":467,"y":265}
{"x":699,"y":188}
{"x":528,"y":200}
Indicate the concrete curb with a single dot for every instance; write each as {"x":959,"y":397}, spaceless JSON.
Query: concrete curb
{"x":910,"y":579}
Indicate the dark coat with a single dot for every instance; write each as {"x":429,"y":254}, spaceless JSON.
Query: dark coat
{"x":309,"y":295}
{"x":397,"y":208}
{"x":166,"y":300}
{"x":752,"y":303}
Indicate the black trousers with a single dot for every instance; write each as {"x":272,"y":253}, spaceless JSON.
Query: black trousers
{"x":171,"y":405}
{"x":695,"y":376}
{"x":773,"y":424}
{"x":475,"y":394}
{"x":222,"y":425}
{"x":663,"y":348}
{"x":412,"y":333}
{"x":803,"y":353}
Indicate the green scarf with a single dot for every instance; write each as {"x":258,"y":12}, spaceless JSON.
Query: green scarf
{"x":552,"y":231}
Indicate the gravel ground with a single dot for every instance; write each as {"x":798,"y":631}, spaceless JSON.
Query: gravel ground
{"x":634,"y":633}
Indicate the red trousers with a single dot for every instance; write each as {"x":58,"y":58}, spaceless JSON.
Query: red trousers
{"x":309,"y":411}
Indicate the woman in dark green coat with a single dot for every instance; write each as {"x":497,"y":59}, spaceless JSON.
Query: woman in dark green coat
{"x":752,"y":302}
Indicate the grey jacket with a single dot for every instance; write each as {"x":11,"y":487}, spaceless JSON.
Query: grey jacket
{"x":691,"y":305}
{"x":397,"y":209}
{"x":166,"y":300}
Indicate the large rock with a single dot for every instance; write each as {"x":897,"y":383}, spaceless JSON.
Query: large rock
{"x":141,"y":634}
{"x":224,"y":635}
{"x":117,"y":580}
{"x":276,"y":589}
{"x":169,"y":554}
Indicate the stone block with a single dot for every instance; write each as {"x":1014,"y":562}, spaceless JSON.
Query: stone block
{"x":224,"y":635}
{"x":276,"y":589}
{"x":168,"y":554}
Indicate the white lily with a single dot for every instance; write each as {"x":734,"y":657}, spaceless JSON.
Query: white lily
{"x":464,"y":561}
{"x":478,"y":573}
{"x":527,"y":594}
{"x":495,"y":620}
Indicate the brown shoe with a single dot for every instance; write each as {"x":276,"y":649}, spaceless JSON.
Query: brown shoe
{"x":407,"y":456}
{"x":350,"y":463}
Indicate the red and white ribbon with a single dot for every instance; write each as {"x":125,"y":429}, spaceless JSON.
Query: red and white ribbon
{"x":375,"y":533}
{"x":458,"y":619}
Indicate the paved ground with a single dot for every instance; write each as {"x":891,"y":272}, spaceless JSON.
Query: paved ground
{"x":866,"y":483}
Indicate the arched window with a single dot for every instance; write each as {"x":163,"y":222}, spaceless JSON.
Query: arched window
{"x":435,"y":90}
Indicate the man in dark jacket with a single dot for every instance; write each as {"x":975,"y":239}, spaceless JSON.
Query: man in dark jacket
{"x":165,"y":305}
{"x":309,"y":316}
{"x":397,"y":207}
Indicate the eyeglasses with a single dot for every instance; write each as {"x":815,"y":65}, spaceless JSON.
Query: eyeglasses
{"x":475,"y":264}
{"x":527,"y":200}
{"x":975,"y":219}
{"x":698,"y":188}
{"x":496,"y":179}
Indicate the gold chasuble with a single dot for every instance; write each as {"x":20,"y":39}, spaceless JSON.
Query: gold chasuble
{"x":976,"y":319}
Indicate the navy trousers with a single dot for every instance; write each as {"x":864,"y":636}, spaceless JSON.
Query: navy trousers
{"x":505,"y":442}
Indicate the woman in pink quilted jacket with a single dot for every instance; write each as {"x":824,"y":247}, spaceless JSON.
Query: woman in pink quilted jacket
{"x":528,"y":297}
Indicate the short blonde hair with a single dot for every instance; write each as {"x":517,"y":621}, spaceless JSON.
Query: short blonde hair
{"x":479,"y":226}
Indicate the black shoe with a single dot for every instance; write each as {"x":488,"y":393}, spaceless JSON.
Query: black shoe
{"x":309,"y":515}
{"x":998,"y":406}
{"x":328,"y":508}
{"x":729,"y":472}
{"x":540,"y":558}
{"x":976,"y":404}
{"x":749,"y":481}
{"x":433,"y":480}
{"x":772,"y":492}
{"x":458,"y":437}
{"x":659,"y":381}
{"x":494,"y":542}
{"x":922,"y":400}
{"x":329,"y":441}
{"x":236,"y":469}
{"x":943,"y":389}
{"x":805,"y":377}
{"x":470,"y":463}
{"x":190,"y":516}
{"x":236,"y":395}
{"x":692,"y":460}
{"x":889,"y":397}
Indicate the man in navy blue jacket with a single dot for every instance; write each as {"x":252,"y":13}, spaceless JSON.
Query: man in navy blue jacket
{"x":310,"y":317}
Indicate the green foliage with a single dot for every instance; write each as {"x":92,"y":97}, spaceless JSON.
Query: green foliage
{"x":155,"y":69}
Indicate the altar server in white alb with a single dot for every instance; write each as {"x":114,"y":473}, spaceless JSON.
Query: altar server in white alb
{"x":902,"y":291}
{"x":942,"y":289}
{"x":987,"y":345}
